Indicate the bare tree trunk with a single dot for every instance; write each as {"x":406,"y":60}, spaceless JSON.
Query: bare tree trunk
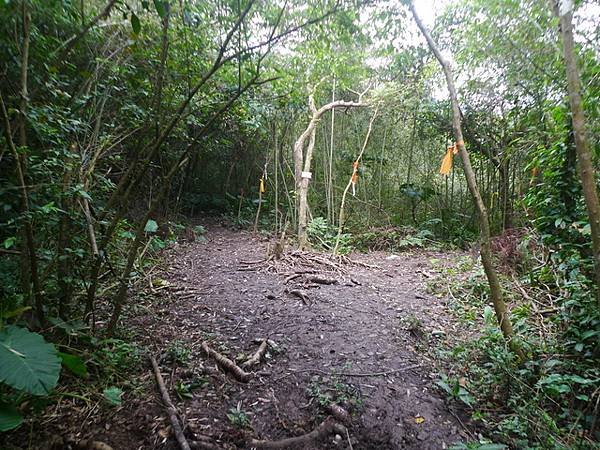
{"x":329,"y":167}
{"x":63,"y":241}
{"x":30,"y":248}
{"x":276,"y":170}
{"x":29,"y":263}
{"x":302,"y":164}
{"x":160,"y":79}
{"x":303,"y":191}
{"x":486,"y":254}
{"x":584,"y":156}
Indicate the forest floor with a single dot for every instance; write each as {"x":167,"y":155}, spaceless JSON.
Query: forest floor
{"x":365,"y":343}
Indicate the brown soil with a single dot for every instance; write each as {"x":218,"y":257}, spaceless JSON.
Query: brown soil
{"x":376,"y":322}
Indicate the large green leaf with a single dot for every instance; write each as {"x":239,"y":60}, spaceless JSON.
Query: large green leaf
{"x":74,"y":363}
{"x":27,"y":361}
{"x":9,"y":417}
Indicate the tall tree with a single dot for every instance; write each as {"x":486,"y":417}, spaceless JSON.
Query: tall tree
{"x":497,"y":296}
{"x":564,"y":9}
{"x":303,"y":160}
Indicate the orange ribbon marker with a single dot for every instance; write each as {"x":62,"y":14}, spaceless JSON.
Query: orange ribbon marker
{"x":262,"y":185}
{"x":354,"y":178}
{"x":447,"y":161}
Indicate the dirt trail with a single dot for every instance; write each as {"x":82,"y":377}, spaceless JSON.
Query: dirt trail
{"x":373,"y":320}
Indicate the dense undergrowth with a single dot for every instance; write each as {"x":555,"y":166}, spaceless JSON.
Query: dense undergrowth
{"x":550,"y":400}
{"x":95,"y":367}
{"x":122,"y":118}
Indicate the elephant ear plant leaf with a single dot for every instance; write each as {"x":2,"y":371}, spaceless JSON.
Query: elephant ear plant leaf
{"x":9,"y":417}
{"x":27,"y":362}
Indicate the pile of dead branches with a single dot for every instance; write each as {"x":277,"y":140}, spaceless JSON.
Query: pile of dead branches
{"x":298,"y":261}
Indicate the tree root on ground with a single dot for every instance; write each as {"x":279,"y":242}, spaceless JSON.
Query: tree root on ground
{"x":227,"y":364}
{"x":326,"y":428}
{"x":339,"y":413}
{"x":258,"y":356}
{"x":322,"y":280}
{"x":301,"y":295}
{"x":204,"y":443}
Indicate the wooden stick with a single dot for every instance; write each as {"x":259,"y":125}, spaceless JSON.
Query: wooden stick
{"x":183,"y":444}
{"x":15,"y":252}
{"x":227,"y":364}
{"x":349,"y":441}
{"x":258,"y":356}
{"x":327,"y":427}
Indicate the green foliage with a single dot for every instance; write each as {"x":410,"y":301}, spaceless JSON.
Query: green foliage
{"x":74,"y":364}
{"x":393,"y":239}
{"x":185,"y":389}
{"x":115,"y":356}
{"x":555,"y":196}
{"x":113,"y":395}
{"x":456,"y":390}
{"x":29,"y":363}
{"x":549,"y":399}
{"x":9,"y":417}
{"x":237,"y":417}
{"x":178,"y":352}
{"x":481,"y":445}
{"x":322,"y":235}
{"x":334,"y":391}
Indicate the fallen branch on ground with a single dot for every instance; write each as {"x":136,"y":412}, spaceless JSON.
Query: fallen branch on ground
{"x":227,"y":364}
{"x":258,"y":356}
{"x":327,"y":427}
{"x":183,"y":444}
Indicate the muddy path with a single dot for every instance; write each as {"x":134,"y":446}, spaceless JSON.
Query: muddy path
{"x":361,"y":343}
